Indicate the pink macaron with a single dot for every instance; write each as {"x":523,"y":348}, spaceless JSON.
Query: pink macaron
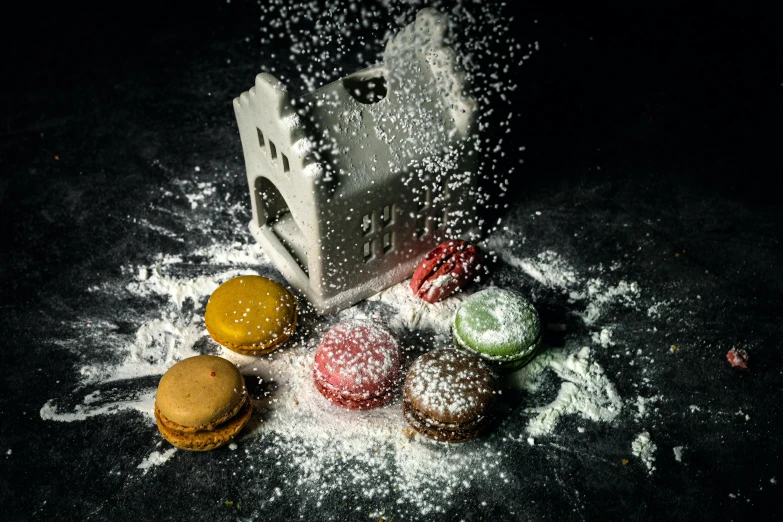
{"x":358,"y":365}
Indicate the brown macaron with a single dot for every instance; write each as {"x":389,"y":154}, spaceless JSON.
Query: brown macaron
{"x":449,"y":395}
{"x":202,"y":403}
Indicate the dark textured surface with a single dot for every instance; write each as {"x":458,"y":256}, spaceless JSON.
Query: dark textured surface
{"x":652,"y":137}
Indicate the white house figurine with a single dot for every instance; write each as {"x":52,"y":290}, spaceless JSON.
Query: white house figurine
{"x":353,"y":183}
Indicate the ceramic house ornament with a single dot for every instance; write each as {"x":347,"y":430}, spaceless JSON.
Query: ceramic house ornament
{"x":353,"y":183}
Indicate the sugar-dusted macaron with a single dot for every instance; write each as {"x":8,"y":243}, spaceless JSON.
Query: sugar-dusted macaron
{"x":500,"y":325}
{"x":449,"y":395}
{"x":358,"y":365}
{"x":202,"y":403}
{"x":251,"y":315}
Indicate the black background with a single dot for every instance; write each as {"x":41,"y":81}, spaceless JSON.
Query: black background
{"x":667,"y":115}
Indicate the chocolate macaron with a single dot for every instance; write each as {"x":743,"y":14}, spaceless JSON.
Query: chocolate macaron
{"x":251,"y":315}
{"x":357,"y":365}
{"x":449,"y":395}
{"x":499,"y":325}
{"x":202,"y":403}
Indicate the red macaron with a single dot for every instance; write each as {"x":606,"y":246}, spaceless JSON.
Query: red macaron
{"x":358,"y":365}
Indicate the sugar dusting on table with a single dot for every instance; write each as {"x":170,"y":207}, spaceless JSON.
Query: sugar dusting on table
{"x":375,"y":450}
{"x":584,"y":390}
{"x":311,"y":436}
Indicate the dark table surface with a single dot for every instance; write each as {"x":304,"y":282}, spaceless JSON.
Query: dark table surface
{"x":652,"y":146}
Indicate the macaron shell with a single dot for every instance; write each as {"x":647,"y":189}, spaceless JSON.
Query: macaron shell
{"x":251,"y":314}
{"x":210,"y":439}
{"x":498,"y":324}
{"x":200,"y":390}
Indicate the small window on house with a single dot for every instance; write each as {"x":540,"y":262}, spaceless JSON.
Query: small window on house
{"x":366,"y":223}
{"x":424,"y":198}
{"x":273,"y":149}
{"x":365,"y":88}
{"x":286,"y":167}
{"x":367,"y":251}
{"x":261,"y":139}
{"x":421,"y":226}
{"x":386,"y":216}
{"x":387,"y":242}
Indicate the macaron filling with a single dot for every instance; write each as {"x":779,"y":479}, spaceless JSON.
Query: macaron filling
{"x":203,"y":427}
{"x":443,"y":431}
{"x":206,"y":439}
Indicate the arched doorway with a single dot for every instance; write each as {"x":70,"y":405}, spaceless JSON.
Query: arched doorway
{"x":273,"y":212}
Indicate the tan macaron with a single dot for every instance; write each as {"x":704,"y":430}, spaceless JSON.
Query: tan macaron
{"x":251,"y":315}
{"x":202,"y":403}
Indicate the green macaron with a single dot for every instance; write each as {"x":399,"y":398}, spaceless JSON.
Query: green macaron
{"x":499,"y":325}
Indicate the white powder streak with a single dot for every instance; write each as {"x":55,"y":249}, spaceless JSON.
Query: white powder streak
{"x":548,"y":268}
{"x":552,"y":271}
{"x":143,"y":403}
{"x":233,"y":254}
{"x":179,"y":290}
{"x":585,"y":390}
{"x":158,"y":345}
{"x":600,"y":296}
{"x":156,"y":458}
{"x":377,"y":445}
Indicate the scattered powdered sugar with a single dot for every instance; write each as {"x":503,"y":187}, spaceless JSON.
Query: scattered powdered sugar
{"x":604,"y":337}
{"x":601,"y":295}
{"x":656,"y":310}
{"x":315,"y":435}
{"x":376,"y":451}
{"x":678,"y":451}
{"x":142,"y":401}
{"x":156,"y":458}
{"x":552,"y":271}
{"x":548,"y":268}
{"x":177,"y":289}
{"x":411,"y":313}
{"x":311,"y":435}
{"x":158,"y":342}
{"x":584,"y":391}
{"x":234,"y":253}
{"x":329,"y":449}
{"x":203,"y":191}
{"x":644,"y":448}
{"x":449,"y":385}
{"x":643,"y":405}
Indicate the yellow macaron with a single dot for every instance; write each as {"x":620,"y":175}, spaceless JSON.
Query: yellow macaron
{"x":202,"y":403}
{"x":251,"y":315}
